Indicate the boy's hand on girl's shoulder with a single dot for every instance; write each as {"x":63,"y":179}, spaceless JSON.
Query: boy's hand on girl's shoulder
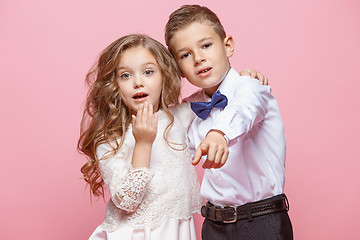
{"x":255,"y":74}
{"x":214,"y":146}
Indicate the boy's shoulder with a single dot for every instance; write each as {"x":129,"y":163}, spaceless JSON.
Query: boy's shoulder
{"x":241,"y":84}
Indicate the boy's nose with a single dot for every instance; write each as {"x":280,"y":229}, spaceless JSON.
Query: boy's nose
{"x":198,"y":58}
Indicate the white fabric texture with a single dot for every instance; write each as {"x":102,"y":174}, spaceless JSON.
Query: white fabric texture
{"x":146,"y":198}
{"x":170,"y":228}
{"x":252,"y":123}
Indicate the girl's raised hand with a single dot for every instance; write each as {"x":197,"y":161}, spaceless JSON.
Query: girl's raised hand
{"x":145,"y":124}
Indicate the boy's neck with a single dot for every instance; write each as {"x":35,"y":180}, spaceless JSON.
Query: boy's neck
{"x":212,"y":90}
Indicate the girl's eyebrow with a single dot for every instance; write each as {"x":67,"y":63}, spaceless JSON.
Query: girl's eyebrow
{"x":144,"y":64}
{"x":149,"y":63}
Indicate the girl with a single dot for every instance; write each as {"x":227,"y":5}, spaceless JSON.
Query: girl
{"x":134,"y":134}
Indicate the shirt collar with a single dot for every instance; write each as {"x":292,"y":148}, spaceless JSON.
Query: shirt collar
{"x":225,"y":86}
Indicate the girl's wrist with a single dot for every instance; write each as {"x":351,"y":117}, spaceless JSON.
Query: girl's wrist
{"x":141,"y":155}
{"x":143,"y":144}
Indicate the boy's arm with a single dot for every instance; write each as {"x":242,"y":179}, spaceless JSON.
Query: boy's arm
{"x":255,"y":74}
{"x":215,"y":147}
{"x":246,"y":109}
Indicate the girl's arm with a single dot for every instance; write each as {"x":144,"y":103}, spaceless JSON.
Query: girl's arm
{"x":127,"y":182}
{"x":144,"y":131}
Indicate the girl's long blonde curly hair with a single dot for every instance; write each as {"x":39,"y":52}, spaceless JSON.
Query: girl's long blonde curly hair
{"x":106,"y":117}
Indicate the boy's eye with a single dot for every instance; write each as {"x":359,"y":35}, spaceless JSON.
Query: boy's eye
{"x":125,"y":75}
{"x":206,"y":45}
{"x":185,"y":55}
{"x":148,"y":72}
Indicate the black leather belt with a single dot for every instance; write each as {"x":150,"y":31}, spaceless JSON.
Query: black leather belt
{"x":230,"y":214}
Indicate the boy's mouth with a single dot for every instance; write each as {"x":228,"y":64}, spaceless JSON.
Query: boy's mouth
{"x":140,"y":96}
{"x":203,"y":71}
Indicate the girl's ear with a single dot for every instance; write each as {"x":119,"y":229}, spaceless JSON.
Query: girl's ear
{"x":229,"y":46}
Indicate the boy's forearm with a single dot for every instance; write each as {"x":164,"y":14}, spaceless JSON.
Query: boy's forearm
{"x":242,"y":114}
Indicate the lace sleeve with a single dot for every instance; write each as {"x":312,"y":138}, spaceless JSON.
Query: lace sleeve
{"x":126,"y":185}
{"x":132,"y":189}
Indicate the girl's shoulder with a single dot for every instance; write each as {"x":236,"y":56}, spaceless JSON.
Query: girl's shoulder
{"x":183,"y":113}
{"x":115,"y":148}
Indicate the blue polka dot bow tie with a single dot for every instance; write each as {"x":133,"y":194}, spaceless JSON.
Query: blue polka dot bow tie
{"x":203,"y":109}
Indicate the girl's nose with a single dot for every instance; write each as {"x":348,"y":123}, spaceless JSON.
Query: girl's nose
{"x":138,"y":82}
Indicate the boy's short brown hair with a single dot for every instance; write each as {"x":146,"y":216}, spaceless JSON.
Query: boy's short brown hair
{"x":187,"y":14}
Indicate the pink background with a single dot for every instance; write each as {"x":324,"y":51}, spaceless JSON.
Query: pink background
{"x":308,"y":49}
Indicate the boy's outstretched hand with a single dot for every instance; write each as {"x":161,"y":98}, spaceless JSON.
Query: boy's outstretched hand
{"x":255,"y":74}
{"x":215,"y":147}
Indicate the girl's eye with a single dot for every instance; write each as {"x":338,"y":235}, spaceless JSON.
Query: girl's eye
{"x":185,"y":55}
{"x":148,"y":72}
{"x":206,"y":45}
{"x":125,"y":75}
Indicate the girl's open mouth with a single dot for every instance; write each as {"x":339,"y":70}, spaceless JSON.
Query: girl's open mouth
{"x":140,"y":96}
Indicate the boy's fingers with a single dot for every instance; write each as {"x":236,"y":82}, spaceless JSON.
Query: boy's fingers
{"x":197,"y":156}
{"x":211,"y":154}
{"x":224,"y":158}
{"x":201,"y":150}
{"x":206,"y":164}
{"x":218,"y":157}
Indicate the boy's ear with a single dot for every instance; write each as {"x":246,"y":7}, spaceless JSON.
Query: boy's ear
{"x":229,"y":46}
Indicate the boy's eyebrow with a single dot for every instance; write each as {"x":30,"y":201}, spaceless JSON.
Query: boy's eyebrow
{"x":205,"y":39}
{"x":199,"y":41}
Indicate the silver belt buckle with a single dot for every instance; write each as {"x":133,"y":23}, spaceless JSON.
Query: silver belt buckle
{"x":235,"y":214}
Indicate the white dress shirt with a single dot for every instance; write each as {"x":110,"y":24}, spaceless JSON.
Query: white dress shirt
{"x":251,"y":121}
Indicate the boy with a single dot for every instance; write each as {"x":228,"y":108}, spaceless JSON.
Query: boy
{"x":245,"y":196}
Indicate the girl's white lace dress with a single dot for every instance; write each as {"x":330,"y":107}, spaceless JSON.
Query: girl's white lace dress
{"x":155,"y":203}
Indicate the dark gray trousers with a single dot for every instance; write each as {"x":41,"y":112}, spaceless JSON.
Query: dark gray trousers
{"x":273,"y":226}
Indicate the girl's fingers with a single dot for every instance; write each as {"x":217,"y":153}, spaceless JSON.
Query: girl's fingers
{"x":133,"y":120}
{"x":150,"y":114}
{"x":253,"y":74}
{"x":266,"y":81}
{"x":139,"y":113}
{"x":155,"y":121}
{"x":145,"y":113}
